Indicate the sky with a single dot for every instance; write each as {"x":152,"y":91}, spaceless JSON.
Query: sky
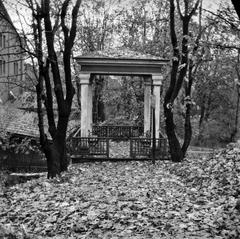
{"x":214,"y":4}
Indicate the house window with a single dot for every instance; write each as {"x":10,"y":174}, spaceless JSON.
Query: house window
{"x":2,"y":67}
{"x":15,"y":68}
{"x":4,"y":41}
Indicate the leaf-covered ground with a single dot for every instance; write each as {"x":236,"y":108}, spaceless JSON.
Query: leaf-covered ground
{"x":197,"y":198}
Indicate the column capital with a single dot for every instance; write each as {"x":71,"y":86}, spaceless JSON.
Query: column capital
{"x":157,"y":80}
{"x":147,"y":80}
{"x":84,"y":78}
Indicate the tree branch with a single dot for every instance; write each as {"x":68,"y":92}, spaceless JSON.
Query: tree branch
{"x":49,"y":101}
{"x":52,"y":55}
{"x":179,"y":10}
{"x":176,"y":55}
{"x":194,"y":8}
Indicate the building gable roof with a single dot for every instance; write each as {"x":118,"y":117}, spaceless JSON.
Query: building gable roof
{"x":4,"y":13}
{"x":5,"y":16}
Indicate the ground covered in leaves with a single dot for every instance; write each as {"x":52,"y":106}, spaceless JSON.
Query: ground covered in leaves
{"x":198,"y":198}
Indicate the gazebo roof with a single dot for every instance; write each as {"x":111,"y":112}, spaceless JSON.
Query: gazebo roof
{"x":119,"y":62}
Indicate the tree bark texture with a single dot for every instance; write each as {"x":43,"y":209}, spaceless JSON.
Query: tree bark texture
{"x":235,"y":129}
{"x":178,"y":73}
{"x":174,"y":145}
{"x":55,"y":149}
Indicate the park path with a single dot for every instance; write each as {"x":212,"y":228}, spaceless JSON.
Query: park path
{"x":125,"y":200}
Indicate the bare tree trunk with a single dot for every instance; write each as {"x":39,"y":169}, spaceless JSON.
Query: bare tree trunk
{"x":53,"y":159}
{"x":202,"y":113}
{"x":188,"y":89}
{"x":174,"y":145}
{"x":176,"y":79}
{"x":188,"y":129}
{"x":235,"y":129}
{"x":187,"y":124}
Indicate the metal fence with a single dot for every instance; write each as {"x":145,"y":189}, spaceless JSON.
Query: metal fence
{"x":143,"y":148}
{"x":89,"y":146}
{"x":93,"y":147}
{"x":20,"y":161}
{"x":117,"y":131}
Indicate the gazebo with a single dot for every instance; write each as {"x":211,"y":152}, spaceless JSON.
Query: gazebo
{"x":125,"y":63}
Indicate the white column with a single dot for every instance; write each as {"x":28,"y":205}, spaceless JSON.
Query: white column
{"x":86,"y":116}
{"x":90,"y":106}
{"x":147,"y":104}
{"x":157,"y":82}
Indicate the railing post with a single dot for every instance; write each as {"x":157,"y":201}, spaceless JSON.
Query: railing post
{"x":107,"y":140}
{"x":131,"y":148}
{"x":154,"y":137}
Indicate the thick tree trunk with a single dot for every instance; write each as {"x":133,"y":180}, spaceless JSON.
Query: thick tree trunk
{"x":56,"y":155}
{"x":202,"y":114}
{"x":188,"y":130}
{"x":52,"y":154}
{"x":235,"y":130}
{"x":56,"y":151}
{"x":174,"y":145}
{"x":64,"y":160}
{"x":187,"y":124}
{"x":176,"y":78}
{"x":172,"y":92}
{"x":61,"y":140}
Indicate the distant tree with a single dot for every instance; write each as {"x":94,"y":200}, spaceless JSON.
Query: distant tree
{"x":143,"y":27}
{"x":221,"y":43}
{"x":215,"y":95}
{"x":124,"y":98}
{"x":97,"y":25}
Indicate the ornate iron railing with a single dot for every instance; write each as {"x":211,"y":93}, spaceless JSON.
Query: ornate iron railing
{"x":143,"y":148}
{"x":20,"y":161}
{"x":89,"y":147}
{"x":97,"y":145}
{"x":117,"y":131}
